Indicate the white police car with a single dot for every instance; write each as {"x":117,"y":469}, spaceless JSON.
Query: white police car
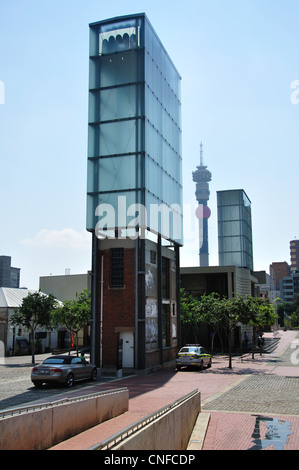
{"x":193,"y":355}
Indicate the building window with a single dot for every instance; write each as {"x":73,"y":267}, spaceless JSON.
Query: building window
{"x":153,"y":256}
{"x":165,"y":326}
{"x":165,"y":278}
{"x":116,"y":267}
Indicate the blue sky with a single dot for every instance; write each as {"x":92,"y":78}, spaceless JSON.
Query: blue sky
{"x":237,"y":60}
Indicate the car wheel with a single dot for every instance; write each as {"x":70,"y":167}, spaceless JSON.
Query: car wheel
{"x":70,"y":380}
{"x":178,"y":367}
{"x":94,"y":374}
{"x":201,"y":365}
{"x":210,"y":363}
{"x":37,"y":384}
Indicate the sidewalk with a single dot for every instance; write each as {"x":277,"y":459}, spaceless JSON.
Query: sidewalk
{"x":223,"y":430}
{"x":252,"y":430}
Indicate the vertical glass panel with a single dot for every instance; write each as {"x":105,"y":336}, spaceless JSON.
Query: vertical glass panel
{"x":92,"y":176}
{"x":119,"y":69}
{"x":153,"y":178}
{"x":119,"y":173}
{"x":93,"y":141}
{"x":117,"y":103}
{"x":117,"y":138}
{"x":153,"y":143}
{"x":114,"y":209}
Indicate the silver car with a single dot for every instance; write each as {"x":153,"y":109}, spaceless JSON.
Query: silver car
{"x":63,"y":369}
{"x":193,"y":355}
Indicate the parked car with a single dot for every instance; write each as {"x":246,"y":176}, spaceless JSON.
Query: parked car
{"x":63,"y":369}
{"x":193,"y":355}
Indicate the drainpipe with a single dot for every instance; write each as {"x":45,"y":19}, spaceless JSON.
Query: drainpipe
{"x":101,"y":317}
{"x":136,"y":300}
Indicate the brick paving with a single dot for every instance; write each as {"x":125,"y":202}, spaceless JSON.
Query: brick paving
{"x":261,"y":394}
{"x":261,"y":411}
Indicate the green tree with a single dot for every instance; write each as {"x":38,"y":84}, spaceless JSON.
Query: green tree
{"x":74,"y":314}
{"x":210,"y":311}
{"x":294,"y":320}
{"x":35,"y":311}
{"x":189,"y":312}
{"x":286,"y":309}
{"x":260,"y":314}
{"x":235,"y":311}
{"x":226,"y":314}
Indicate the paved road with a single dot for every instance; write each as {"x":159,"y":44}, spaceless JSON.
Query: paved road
{"x":16,"y":388}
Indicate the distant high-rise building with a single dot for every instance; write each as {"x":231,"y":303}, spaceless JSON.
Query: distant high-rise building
{"x":294,"y":249}
{"x":234,"y":228}
{"x":202,"y":177}
{"x":9,"y":276}
{"x":278,"y":270}
{"x":289,"y":286}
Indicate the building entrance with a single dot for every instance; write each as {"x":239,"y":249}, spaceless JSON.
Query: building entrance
{"x":128,"y":348}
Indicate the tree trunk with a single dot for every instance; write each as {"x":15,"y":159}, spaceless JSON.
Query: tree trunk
{"x":77,"y":342}
{"x":221,"y":342}
{"x":229,"y":348}
{"x":32,"y":345}
{"x":253,"y":341}
{"x":194,"y":331}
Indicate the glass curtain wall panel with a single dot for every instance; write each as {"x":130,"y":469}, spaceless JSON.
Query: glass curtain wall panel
{"x":163,"y":161}
{"x":234,"y":229}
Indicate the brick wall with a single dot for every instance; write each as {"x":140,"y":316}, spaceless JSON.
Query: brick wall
{"x":118,"y":305}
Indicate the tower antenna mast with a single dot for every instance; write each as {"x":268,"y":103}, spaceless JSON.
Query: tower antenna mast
{"x":201,"y":154}
{"x":202,"y":176}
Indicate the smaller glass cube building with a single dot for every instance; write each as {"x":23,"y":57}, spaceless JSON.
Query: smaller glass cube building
{"x":234,"y":229}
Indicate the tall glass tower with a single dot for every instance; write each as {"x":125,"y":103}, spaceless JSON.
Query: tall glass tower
{"x":134,"y":147}
{"x":134,"y":190}
{"x":234,"y":229}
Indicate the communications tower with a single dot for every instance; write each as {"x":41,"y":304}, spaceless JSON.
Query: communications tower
{"x":202,"y":177}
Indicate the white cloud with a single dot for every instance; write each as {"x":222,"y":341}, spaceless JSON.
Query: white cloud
{"x":67,"y":238}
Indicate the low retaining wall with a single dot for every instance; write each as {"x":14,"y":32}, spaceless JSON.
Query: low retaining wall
{"x":171,"y":430}
{"x":40,"y":429}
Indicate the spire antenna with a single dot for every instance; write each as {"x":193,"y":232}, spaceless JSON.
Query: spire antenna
{"x":201,"y":154}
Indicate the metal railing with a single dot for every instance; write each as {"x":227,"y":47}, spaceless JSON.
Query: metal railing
{"x":40,"y":406}
{"x":119,"y":437}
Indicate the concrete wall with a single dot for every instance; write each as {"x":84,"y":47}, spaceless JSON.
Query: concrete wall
{"x":171,"y":431}
{"x":42,"y":429}
{"x":65,"y":287}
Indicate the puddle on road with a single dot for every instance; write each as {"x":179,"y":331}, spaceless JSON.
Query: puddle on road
{"x":270,"y":431}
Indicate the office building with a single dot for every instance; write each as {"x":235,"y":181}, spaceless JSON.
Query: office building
{"x":234,"y":229}
{"x":289,"y":286}
{"x":134,"y":193}
{"x":9,"y":276}
{"x":294,"y":249}
{"x":278,"y":271}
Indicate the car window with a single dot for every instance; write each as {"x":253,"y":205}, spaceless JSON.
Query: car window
{"x":76,"y":360}
{"x":189,"y":349}
{"x":203,"y":351}
{"x":54,"y":360}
